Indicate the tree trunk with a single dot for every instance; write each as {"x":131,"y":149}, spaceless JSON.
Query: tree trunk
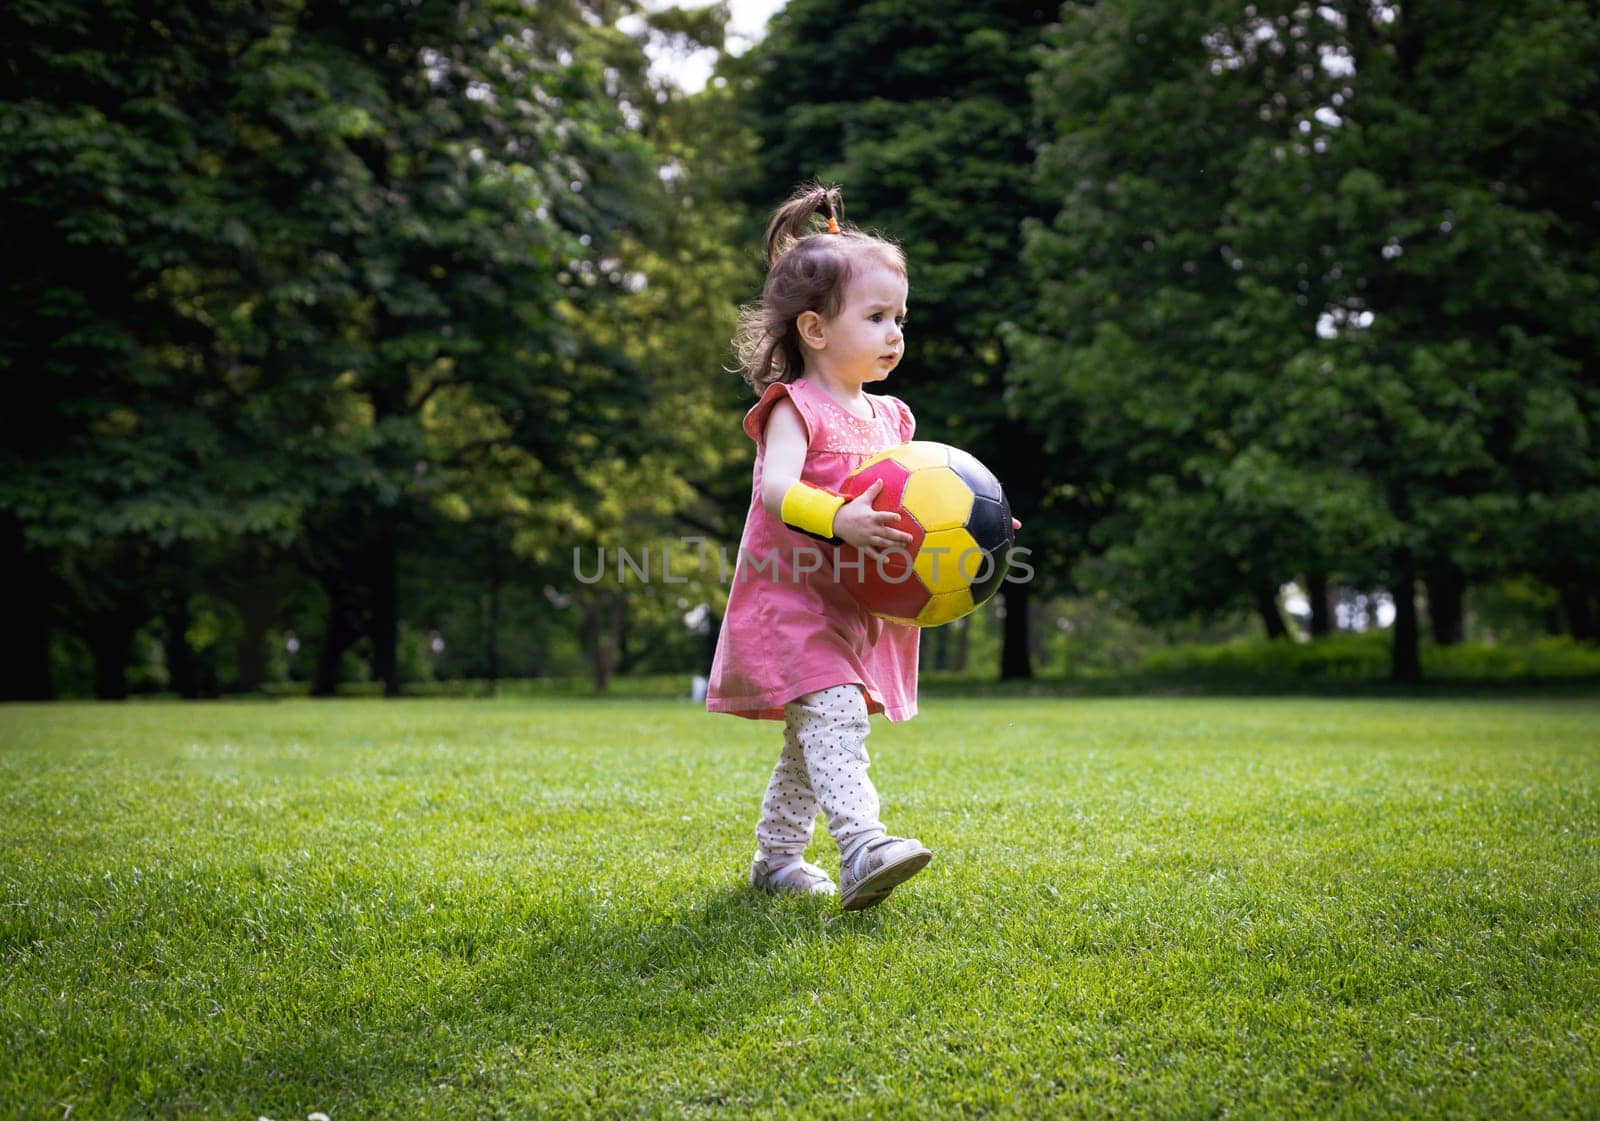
{"x":713,"y":632}
{"x":25,"y":649}
{"x":593,"y":644}
{"x":1447,"y":587}
{"x":1321,"y":610}
{"x":627,"y":657}
{"x":492,"y":628}
{"x":342,"y":630}
{"x":1581,"y":621}
{"x":385,"y":618}
{"x":1553,"y":624}
{"x":255,"y":613}
{"x":183,"y":676}
{"x":110,"y":639}
{"x":1405,"y":662}
{"x":619,"y":628}
{"x":958,"y":660}
{"x":602,"y":626}
{"x":1015,"y":661}
{"x":1267,"y":607}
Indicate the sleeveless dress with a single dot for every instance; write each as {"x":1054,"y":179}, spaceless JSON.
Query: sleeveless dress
{"x":787,"y":632}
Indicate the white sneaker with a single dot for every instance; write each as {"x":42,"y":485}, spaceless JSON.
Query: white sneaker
{"x":877,"y":868}
{"x":794,"y":878}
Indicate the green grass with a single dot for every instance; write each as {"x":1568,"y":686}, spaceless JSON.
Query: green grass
{"x":1137,"y":908}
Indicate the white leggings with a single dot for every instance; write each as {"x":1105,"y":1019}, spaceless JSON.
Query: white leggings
{"x":823,"y":765}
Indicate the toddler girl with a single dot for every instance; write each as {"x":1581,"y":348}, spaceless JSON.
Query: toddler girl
{"x":794,"y":645}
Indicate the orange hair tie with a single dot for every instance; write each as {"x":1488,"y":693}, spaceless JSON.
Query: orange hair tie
{"x":833,"y":225}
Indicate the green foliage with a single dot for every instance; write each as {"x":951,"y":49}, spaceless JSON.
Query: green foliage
{"x":356,"y":321}
{"x":922,"y":112}
{"x":1354,"y":658}
{"x":1550,"y":658}
{"x":324,"y":278}
{"x":1317,"y":292}
{"x":122,"y":425}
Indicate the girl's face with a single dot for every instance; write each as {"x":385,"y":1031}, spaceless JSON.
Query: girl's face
{"x":866,"y":339}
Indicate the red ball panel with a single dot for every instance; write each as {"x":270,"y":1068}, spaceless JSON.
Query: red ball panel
{"x":889,"y":587}
{"x":894,"y":479}
{"x":894,"y":589}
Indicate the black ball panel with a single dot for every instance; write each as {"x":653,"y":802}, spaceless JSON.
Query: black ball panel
{"x":977,"y":477}
{"x":990,"y":526}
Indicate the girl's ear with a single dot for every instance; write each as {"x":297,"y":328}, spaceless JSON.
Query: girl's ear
{"x":812,"y":330}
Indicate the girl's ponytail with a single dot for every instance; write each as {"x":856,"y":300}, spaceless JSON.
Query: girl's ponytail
{"x":792,"y":221}
{"x":807,"y":270}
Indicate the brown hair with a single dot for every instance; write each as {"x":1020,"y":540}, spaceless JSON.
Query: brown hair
{"x":806,"y":271}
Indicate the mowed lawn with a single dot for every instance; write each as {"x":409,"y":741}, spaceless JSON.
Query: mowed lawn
{"x":1137,"y":908}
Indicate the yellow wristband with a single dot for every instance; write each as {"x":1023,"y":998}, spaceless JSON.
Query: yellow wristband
{"x":810,"y":509}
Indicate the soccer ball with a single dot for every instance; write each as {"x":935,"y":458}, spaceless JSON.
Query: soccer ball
{"x":960,"y":523}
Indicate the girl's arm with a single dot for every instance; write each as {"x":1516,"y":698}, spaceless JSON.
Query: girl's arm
{"x":856,"y":522}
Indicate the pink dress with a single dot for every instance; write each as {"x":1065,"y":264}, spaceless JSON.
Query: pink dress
{"x":786,"y":632}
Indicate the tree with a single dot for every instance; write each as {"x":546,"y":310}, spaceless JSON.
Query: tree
{"x":922,"y":111}
{"x":123,"y":407}
{"x":265,"y":240}
{"x":701,"y":262}
{"x":488,"y":178}
{"x":649,"y":439}
{"x":1309,"y":281}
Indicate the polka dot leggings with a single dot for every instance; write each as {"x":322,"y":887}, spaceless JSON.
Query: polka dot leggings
{"x":823,"y":765}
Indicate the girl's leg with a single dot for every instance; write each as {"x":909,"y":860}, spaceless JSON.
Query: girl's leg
{"x":831,"y":727}
{"x":789,"y":809}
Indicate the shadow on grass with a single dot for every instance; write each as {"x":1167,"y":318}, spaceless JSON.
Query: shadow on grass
{"x":586,"y":989}
{"x":500,"y":993}
{"x":703,"y":963}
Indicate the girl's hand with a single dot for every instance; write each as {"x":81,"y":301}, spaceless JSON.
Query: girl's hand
{"x":858,"y":524}
{"x":1015,"y":524}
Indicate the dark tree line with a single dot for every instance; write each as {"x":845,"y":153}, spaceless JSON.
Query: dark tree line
{"x":1319,"y":297}
{"x":1235,"y":294}
{"x":294,"y":290}
{"x":345,"y":319}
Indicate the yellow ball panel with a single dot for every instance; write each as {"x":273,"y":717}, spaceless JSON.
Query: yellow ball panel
{"x":946,"y":608}
{"x":938,"y":498}
{"x":879,"y":458}
{"x":919,"y":453}
{"x":948,"y":561}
